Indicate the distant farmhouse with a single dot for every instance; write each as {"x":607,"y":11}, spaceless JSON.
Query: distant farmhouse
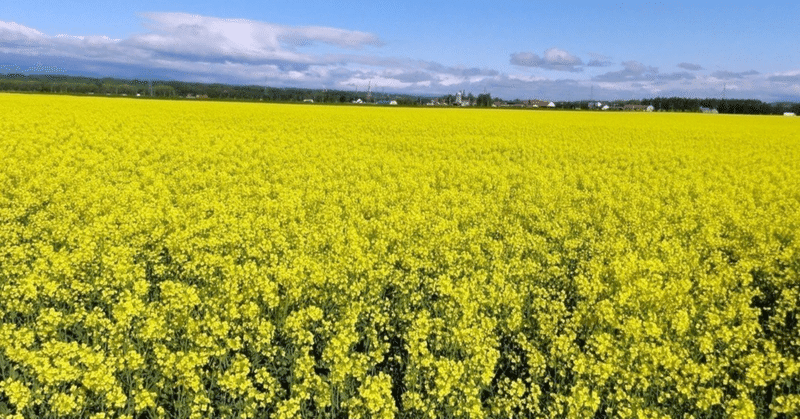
{"x":540,"y":104}
{"x":649,"y":108}
{"x":708,"y":110}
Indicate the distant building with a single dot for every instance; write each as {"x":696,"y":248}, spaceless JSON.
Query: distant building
{"x":634,"y":108}
{"x":308,"y":100}
{"x":462,"y":99}
{"x":788,"y":114}
{"x":393,"y":102}
{"x":535,"y":103}
{"x":605,"y":108}
{"x":708,"y":110}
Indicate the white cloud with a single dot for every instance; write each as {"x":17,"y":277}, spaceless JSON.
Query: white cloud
{"x":250,"y":35}
{"x":201,"y":37}
{"x":239,"y":50}
{"x":192,"y":38}
{"x":553,"y":59}
{"x":555,"y":56}
{"x":14,"y":32}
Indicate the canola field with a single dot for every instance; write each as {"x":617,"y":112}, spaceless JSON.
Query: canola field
{"x":167,"y":259}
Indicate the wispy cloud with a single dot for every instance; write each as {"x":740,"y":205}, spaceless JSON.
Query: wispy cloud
{"x":599,"y":60}
{"x":690,"y":66}
{"x":785,"y":78}
{"x":632,"y":71}
{"x":553,"y":59}
{"x":598,"y":63}
{"x":728,"y":75}
{"x":682,"y":75}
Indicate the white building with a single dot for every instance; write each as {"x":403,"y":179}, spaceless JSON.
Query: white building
{"x":788,"y":114}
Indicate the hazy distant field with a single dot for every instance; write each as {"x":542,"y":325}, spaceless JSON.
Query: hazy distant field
{"x":195,"y":259}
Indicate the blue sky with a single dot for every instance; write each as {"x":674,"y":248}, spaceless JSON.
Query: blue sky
{"x":547,"y":50}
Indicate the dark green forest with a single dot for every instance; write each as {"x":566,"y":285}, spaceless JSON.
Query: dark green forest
{"x":179,"y":89}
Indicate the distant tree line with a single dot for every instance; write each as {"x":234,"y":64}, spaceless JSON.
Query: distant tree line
{"x":682,"y":104}
{"x":179,"y":89}
{"x":731,"y":106}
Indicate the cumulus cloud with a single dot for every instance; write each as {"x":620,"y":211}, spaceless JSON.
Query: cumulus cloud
{"x":728,"y":75}
{"x":203,"y":37}
{"x":560,"y":57}
{"x":203,"y":48}
{"x":690,"y":66}
{"x":242,"y":36}
{"x":185,"y":37}
{"x":632,"y":71}
{"x":553,"y":59}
